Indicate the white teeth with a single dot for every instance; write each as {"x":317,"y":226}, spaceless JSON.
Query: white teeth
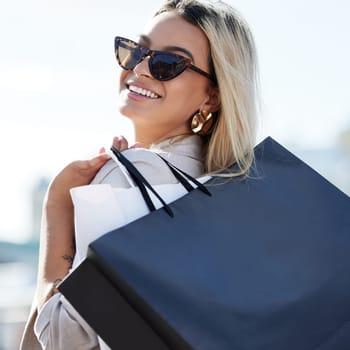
{"x":142,"y":92}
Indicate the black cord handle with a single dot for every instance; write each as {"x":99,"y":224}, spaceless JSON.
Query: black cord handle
{"x":180,"y":175}
{"x":142,"y":183}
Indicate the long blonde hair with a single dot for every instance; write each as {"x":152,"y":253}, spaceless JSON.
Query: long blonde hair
{"x":233,"y":62}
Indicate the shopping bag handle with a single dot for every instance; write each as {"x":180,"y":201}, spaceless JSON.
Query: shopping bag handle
{"x":143,"y":184}
{"x":181,"y":177}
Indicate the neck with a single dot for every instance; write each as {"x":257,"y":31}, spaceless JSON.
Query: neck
{"x":145,"y":140}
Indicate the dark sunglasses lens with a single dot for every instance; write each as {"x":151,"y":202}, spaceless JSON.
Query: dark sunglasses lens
{"x":166,"y":66}
{"x":129,"y":54}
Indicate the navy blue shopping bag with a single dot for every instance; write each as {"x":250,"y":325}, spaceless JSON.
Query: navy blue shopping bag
{"x":263,"y":263}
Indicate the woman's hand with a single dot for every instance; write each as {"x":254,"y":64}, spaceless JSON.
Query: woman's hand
{"x":77,"y":173}
{"x":57,"y":242}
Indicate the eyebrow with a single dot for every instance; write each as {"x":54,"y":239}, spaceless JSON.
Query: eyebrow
{"x":146,"y":39}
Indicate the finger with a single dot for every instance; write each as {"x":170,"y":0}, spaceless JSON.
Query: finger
{"x":102,"y":150}
{"x":97,"y":162}
{"x":123,"y":143}
{"x":116,"y":142}
{"x":120,"y":143}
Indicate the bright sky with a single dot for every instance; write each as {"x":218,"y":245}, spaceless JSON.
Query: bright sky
{"x":58,"y":78}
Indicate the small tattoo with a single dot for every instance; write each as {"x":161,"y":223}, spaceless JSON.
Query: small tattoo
{"x":68,"y":258}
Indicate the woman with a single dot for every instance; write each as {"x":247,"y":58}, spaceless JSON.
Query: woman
{"x":194,"y":102}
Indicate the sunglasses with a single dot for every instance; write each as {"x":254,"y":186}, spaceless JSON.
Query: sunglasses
{"x":163,"y":65}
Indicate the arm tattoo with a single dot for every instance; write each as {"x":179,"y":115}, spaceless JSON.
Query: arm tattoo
{"x":68,"y":258}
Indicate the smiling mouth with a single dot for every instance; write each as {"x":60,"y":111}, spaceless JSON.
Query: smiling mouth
{"x":142,"y":92}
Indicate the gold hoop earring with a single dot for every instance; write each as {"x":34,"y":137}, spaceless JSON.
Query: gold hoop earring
{"x":201,"y":123}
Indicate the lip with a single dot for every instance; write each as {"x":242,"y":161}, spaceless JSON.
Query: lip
{"x":138,"y":97}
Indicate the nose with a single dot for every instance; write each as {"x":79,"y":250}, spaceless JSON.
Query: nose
{"x":142,"y":68}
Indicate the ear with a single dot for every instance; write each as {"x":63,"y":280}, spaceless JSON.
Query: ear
{"x":213,"y":102}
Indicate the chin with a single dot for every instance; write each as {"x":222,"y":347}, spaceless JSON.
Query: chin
{"x":128,"y":111}
{"x":124,"y":110}
{"x":134,"y":115}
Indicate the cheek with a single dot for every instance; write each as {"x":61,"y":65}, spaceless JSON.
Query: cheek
{"x":188,"y":93}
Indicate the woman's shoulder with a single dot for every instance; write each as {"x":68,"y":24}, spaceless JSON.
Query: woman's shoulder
{"x":184,"y":154}
{"x":150,"y":165}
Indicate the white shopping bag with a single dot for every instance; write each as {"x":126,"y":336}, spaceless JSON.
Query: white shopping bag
{"x":99,"y":209}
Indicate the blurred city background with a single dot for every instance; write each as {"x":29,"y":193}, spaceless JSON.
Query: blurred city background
{"x":58,"y":91}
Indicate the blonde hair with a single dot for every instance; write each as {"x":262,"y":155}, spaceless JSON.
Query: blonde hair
{"x":233,"y":62}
